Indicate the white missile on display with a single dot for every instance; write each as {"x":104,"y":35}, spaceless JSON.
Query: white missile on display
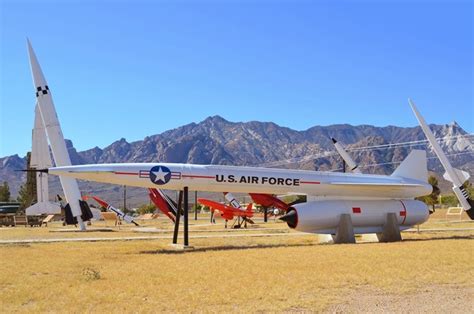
{"x":216,"y":178}
{"x":117,"y":211}
{"x":456,"y":176}
{"x":349,"y":161}
{"x":55,"y":135}
{"x":40,"y":159}
{"x":368,"y":197}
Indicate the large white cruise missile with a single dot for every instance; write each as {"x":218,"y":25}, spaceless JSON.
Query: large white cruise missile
{"x":349,"y":161}
{"x":55,"y":135}
{"x":408,"y":181}
{"x":456,"y":176}
{"x":367,"y":198}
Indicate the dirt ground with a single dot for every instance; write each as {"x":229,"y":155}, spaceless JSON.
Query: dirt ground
{"x":431,"y":299}
{"x":286,"y":272}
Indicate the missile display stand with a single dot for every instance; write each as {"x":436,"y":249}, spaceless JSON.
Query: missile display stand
{"x":345,"y":230}
{"x":183,"y":209}
{"x":391,"y":230}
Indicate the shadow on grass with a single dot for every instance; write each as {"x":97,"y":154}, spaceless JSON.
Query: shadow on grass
{"x":225,"y":248}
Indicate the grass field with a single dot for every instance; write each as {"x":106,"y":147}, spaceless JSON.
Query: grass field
{"x":235,"y":274}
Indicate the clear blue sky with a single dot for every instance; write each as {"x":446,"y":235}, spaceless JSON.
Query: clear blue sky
{"x":136,"y":68}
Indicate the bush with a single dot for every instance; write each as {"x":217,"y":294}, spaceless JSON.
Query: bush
{"x":91,"y":274}
{"x":146,"y":209}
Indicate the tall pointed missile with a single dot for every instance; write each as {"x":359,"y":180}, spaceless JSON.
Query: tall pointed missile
{"x":456,"y":176}
{"x":55,"y":135}
{"x":349,"y":161}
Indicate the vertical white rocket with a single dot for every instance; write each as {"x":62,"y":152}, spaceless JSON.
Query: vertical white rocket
{"x":456,"y":176}
{"x":40,"y":157}
{"x":55,"y":135}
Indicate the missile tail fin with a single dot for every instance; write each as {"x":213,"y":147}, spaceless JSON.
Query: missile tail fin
{"x":463,"y":176}
{"x":413,"y":167}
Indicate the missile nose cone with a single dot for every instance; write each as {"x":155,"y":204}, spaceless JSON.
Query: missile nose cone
{"x":291,"y":218}
{"x":333,"y":140}
{"x":38,"y":77}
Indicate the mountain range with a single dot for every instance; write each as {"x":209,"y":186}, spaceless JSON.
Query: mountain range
{"x":218,"y":141}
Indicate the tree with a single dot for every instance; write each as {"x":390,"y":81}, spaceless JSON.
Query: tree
{"x":449,"y":200}
{"x":432,"y":199}
{"x":5,"y":192}
{"x":146,"y":209}
{"x":27,"y":193}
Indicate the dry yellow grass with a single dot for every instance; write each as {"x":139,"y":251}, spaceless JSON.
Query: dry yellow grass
{"x":221,"y":274}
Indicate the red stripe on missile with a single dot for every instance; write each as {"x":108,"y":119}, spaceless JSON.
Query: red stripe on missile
{"x":126,"y":173}
{"x":356,"y":210}
{"x":403,"y":213}
{"x":310,"y":182}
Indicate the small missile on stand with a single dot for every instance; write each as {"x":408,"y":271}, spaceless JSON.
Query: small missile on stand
{"x":119,"y":213}
{"x":345,"y":156}
{"x":456,"y":176}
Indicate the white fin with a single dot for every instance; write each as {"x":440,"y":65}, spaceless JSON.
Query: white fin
{"x":463,"y":176}
{"x":43,"y":208}
{"x":413,"y":167}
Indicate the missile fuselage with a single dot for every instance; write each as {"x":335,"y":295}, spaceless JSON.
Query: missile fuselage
{"x":368,"y":216}
{"x":215,"y":178}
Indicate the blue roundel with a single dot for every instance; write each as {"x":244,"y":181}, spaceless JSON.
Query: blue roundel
{"x":160,"y":175}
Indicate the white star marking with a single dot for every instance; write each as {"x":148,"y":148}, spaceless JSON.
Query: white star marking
{"x":160,"y":175}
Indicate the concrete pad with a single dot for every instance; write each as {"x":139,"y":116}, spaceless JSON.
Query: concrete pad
{"x":181,"y":247}
{"x":81,"y":231}
{"x":325,"y":238}
{"x":369,"y":238}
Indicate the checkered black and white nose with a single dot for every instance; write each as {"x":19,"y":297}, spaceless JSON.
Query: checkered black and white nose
{"x":42,"y":90}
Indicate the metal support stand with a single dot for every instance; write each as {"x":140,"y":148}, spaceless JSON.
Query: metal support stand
{"x":345,"y":230}
{"x":185,"y":217}
{"x":265,"y":214}
{"x":178,"y":216}
{"x":391,"y":230}
{"x":125,"y":198}
{"x":195,"y":205}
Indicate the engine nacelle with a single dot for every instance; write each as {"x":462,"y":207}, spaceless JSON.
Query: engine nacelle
{"x":367,"y":216}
